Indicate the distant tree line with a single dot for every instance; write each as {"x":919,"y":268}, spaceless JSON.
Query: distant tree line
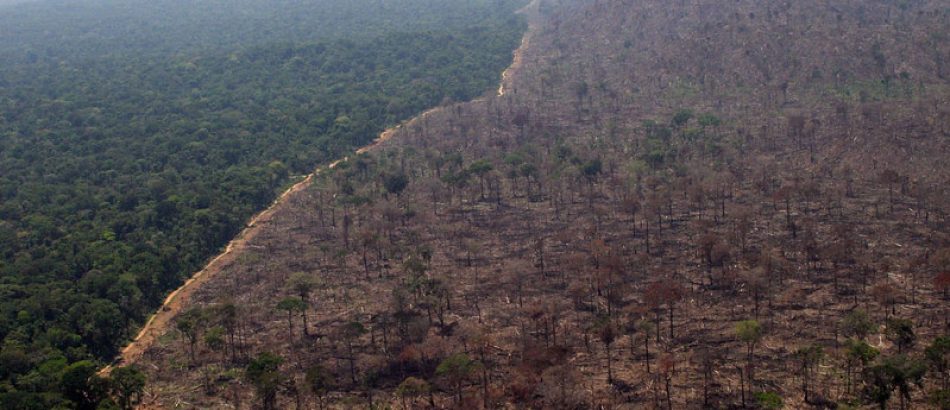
{"x":122,"y":173}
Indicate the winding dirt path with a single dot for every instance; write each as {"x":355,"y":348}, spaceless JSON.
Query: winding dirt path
{"x":531,"y":12}
{"x":159,"y":322}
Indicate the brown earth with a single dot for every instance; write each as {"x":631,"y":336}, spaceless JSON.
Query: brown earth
{"x":813,"y":183}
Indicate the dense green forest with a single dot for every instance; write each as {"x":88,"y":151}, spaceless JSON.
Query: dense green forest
{"x":56,"y":30}
{"x":131,"y":152}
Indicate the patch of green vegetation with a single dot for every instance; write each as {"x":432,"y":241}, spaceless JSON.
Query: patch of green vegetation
{"x":875,"y":90}
{"x":769,"y":400}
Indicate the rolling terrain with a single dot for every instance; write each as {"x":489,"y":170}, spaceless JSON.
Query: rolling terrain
{"x":688,"y":204}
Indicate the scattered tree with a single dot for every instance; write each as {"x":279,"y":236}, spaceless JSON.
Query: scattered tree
{"x":749,"y":332}
{"x":263,"y":372}
{"x":319,"y":381}
{"x":894,"y":373}
{"x":292,"y":306}
{"x":456,"y":369}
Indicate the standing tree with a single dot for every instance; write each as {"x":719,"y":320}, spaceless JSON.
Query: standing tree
{"x":708,"y":120}
{"x":759,"y":287}
{"x":887,"y":295}
{"x":395,"y":183}
{"x":214,"y":339}
{"x":632,"y":206}
{"x":226,"y":314}
{"x":82,"y":385}
{"x":654,"y":297}
{"x":938,"y":356}
{"x":263,"y":372}
{"x":456,"y":369}
{"x":784,"y":194}
{"x":749,"y":332}
{"x":646,"y":328}
{"x":320,"y":381}
{"x":890,"y":177}
{"x":681,"y":118}
{"x":896,"y":372}
{"x":127,"y":384}
{"x":291,"y":305}
{"x":667,"y":368}
{"x":857,"y":324}
{"x":591,"y":170}
{"x":351,"y":333}
{"x":189,"y":324}
{"x":303,"y":284}
{"x":901,"y":332}
{"x":858,"y":353}
{"x":608,"y":334}
{"x":480,"y":169}
{"x":410,"y":389}
{"x":368,"y":239}
{"x":706,"y":358}
{"x":809,"y":357}
{"x":673,"y":292}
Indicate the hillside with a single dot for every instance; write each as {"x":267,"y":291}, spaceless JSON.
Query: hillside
{"x":689,"y":204}
{"x":137,"y":139}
